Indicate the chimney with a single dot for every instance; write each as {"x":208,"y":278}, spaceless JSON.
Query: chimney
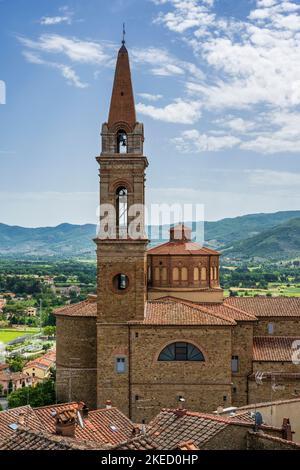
{"x":21,"y":418}
{"x":143,"y":427}
{"x":108,"y":404}
{"x":66,"y":423}
{"x":84,"y":410}
{"x":287,"y":430}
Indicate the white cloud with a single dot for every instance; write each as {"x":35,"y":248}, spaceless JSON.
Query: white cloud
{"x":85,"y":52}
{"x":180,"y":111}
{"x":53,"y":20}
{"x":250,"y":65}
{"x":163,"y":63}
{"x":67,"y":72}
{"x":150,"y":96}
{"x":65,"y":17}
{"x":265,"y":177}
{"x":193,"y":141}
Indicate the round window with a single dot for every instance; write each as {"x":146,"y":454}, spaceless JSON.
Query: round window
{"x":121,"y":282}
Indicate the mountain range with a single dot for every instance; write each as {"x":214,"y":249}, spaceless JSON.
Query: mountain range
{"x":271,"y":236}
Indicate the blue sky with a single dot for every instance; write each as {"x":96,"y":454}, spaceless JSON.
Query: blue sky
{"x":217,"y":85}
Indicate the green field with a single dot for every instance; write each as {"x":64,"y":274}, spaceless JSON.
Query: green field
{"x":278,"y":290}
{"x":7,"y":335}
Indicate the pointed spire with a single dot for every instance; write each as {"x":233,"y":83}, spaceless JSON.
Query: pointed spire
{"x":122,"y":108}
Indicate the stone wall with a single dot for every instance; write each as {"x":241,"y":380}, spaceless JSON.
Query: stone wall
{"x":283,"y":326}
{"x":242,"y":344}
{"x":155,"y":385}
{"x":76,"y":359}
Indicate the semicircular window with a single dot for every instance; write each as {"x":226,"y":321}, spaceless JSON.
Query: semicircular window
{"x":181,"y":352}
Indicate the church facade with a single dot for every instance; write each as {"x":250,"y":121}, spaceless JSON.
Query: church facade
{"x":159,"y":331}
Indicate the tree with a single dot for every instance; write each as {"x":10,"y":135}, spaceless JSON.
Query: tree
{"x":16,"y":363}
{"x":49,"y":331}
{"x":41,"y":395}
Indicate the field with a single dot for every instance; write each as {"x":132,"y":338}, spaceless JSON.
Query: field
{"x":7,"y":335}
{"x":273,"y":289}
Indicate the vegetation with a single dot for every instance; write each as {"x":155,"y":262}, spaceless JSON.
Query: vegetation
{"x":42,"y":394}
{"x":8,"y":335}
{"x":16,"y":363}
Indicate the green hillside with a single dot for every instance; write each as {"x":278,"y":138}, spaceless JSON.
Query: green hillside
{"x":279,"y":243}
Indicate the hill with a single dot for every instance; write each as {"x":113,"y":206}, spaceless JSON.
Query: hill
{"x":278,"y":243}
{"x":246,"y":236}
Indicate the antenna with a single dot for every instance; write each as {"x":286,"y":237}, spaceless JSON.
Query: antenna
{"x":80,"y":420}
{"x":124,"y":34}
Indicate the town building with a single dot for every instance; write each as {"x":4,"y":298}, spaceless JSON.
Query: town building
{"x":12,"y":381}
{"x":40,"y":369}
{"x":159,"y":331}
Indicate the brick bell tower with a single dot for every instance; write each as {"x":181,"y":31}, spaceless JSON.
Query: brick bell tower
{"x":121,"y":241}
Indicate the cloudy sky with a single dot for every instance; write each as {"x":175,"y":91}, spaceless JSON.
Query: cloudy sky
{"x":217,"y":85}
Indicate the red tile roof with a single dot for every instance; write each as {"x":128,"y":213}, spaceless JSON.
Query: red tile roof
{"x":104,"y":426}
{"x":26,"y":439}
{"x":267,"y":306}
{"x":174,"y":311}
{"x":273,"y":348}
{"x":11,"y":417}
{"x":181,"y":248}
{"x":170,"y":427}
{"x":87,"y":308}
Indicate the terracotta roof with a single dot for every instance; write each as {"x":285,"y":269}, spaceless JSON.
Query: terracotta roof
{"x":122,"y":107}
{"x":142,"y":442}
{"x":26,"y":439}
{"x":273,"y":348}
{"x":189,"y":445}
{"x":181,"y":248}
{"x":267,"y":306}
{"x":10,"y":417}
{"x":174,"y":311}
{"x":230,"y":312}
{"x":43,"y":362}
{"x":104,"y":426}
{"x":170,"y":428}
{"x":87,"y":308}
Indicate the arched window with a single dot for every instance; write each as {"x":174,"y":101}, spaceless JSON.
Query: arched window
{"x":196,"y":274}
{"x":216,"y":273}
{"x":175,"y":274}
{"x":121,"y":141}
{"x":212,"y":273}
{"x":164,"y":274}
{"x":203,"y":274}
{"x":121,"y":210}
{"x":181,"y":352}
{"x":184,"y":274}
{"x":157,"y":274}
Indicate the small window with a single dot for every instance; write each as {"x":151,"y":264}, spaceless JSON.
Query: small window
{"x":235,"y":364}
{"x":196,"y":274}
{"x":157,"y":274}
{"x":121,"y":282}
{"x":175,"y":274}
{"x":203,"y":274}
{"x":122,"y":141}
{"x":224,"y":398}
{"x":184,"y":274}
{"x":181,"y":352}
{"x":234,"y":389}
{"x":121,"y":365}
{"x":270,"y":328}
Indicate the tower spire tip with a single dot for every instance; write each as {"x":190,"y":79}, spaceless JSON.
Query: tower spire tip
{"x":124,"y":34}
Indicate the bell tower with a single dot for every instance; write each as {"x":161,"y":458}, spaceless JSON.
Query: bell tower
{"x":121,"y":241}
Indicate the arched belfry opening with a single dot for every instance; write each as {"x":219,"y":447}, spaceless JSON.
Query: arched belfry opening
{"x":122,"y":211}
{"x":122,"y":142}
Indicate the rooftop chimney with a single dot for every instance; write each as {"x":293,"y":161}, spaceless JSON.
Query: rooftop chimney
{"x":108,"y":404}
{"x":21,"y":418}
{"x":66,"y":423}
{"x":287,"y":430}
